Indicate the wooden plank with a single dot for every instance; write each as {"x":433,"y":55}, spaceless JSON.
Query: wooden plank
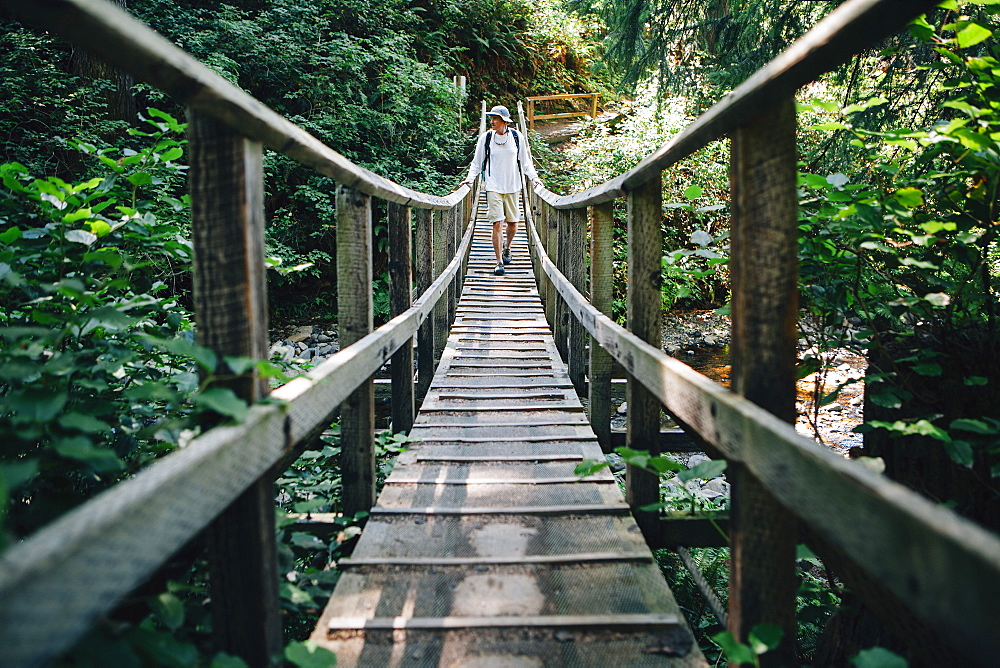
{"x":602,"y":298}
{"x":560,"y":96}
{"x":441,"y":319}
{"x":568,"y":509}
{"x":354,"y":322}
{"x":423,"y":274}
{"x":230,"y":300}
{"x":555,"y":480}
{"x":590,"y":557}
{"x":764,"y":276}
{"x":400,"y":298}
{"x":429,"y":457}
{"x":644,"y":321}
{"x":616,"y":622}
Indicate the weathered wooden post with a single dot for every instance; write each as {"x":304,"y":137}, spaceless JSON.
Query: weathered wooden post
{"x":423,"y":275}
{"x":230,"y":302}
{"x":644,"y":320}
{"x":764,"y":275}
{"x":576,"y":268}
{"x":451,"y":230}
{"x":440,"y":261}
{"x":354,"y":321}
{"x":602,"y":298}
{"x":400,"y":299}
{"x":560,"y":325}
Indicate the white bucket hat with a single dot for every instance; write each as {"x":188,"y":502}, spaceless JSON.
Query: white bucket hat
{"x":502,"y":112}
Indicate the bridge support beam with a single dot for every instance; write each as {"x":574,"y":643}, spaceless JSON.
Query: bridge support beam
{"x":400,"y":299}
{"x":423,"y":275}
{"x":230,"y":303}
{"x":354,"y":321}
{"x":645,"y":212}
{"x":602,"y":298}
{"x":764,"y":274}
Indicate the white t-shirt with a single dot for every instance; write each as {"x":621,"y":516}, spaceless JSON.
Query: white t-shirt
{"x":501,"y":172}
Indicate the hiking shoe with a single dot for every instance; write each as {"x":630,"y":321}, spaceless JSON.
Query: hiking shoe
{"x":498,"y":270}
{"x":505,"y":255}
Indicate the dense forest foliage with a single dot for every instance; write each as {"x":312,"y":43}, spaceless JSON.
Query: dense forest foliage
{"x":99,"y":372}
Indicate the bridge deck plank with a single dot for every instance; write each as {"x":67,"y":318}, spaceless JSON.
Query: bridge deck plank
{"x":484,"y":548}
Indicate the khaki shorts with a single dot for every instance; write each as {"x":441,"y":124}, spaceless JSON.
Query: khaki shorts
{"x":503,"y":206}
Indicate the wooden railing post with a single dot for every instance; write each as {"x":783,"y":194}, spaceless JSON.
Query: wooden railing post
{"x":440,"y":262}
{"x":644,"y":320}
{"x":560,"y":248}
{"x":423,"y":275}
{"x":552,"y":250}
{"x":576,"y":259}
{"x":354,"y":320}
{"x":764,"y":270}
{"x":400,"y":299}
{"x":230,"y":301}
{"x":451,"y":230}
{"x":601,"y":297}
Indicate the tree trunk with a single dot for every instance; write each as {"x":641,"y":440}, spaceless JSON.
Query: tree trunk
{"x":119,"y":97}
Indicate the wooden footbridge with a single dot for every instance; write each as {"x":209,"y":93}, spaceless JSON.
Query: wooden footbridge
{"x":484,"y":549}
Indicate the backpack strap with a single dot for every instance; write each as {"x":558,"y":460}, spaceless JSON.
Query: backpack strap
{"x":486,"y":157}
{"x":517,"y":147}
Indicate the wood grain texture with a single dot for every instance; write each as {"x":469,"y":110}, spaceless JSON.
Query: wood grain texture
{"x":400,"y":298}
{"x":440,"y":256}
{"x":354,"y":322}
{"x":230,"y":298}
{"x":601,"y":297}
{"x":576,"y":264}
{"x":764,"y":278}
{"x":423,"y":274}
{"x":642,"y":425}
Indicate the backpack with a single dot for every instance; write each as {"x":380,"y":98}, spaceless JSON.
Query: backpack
{"x":517,"y":146}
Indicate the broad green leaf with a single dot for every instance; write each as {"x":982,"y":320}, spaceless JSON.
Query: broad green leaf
{"x":706,"y":470}
{"x":223,"y":401}
{"x":971,"y":34}
{"x":36,"y":405}
{"x":701,"y":238}
{"x":736,"y":652}
{"x":919,"y":264}
{"x":296,"y":596}
{"x":205,"y":357}
{"x":172,"y":154}
{"x":692,"y":192}
{"x":814,"y":181}
{"x":140,"y":179}
{"x":938,"y":298}
{"x":911,"y":198}
{"x":961,"y":453}
{"x":81,"y":237}
{"x":589,"y":467}
{"x":878,"y":657}
{"x":309,"y":655}
{"x":223,"y":660}
{"x":10,"y":235}
{"x":85,"y":423}
{"x":765,"y":637}
{"x":17,"y":473}
{"x":975,"y":427}
{"x":81,"y":449}
{"x":928,"y":368}
{"x":976,"y":380}
{"x":168,"y":610}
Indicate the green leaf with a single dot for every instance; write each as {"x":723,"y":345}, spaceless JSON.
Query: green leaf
{"x":81,"y":237}
{"x":140,"y":179}
{"x":701,"y":238}
{"x":296,"y":596}
{"x":223,"y":660}
{"x":938,"y":298}
{"x":736,"y":652}
{"x":168,"y":610}
{"x":17,"y":473}
{"x":706,"y":470}
{"x":10,"y":235}
{"x":81,"y":449}
{"x":975,"y":427}
{"x":960,"y":452}
{"x":203,"y":356}
{"x":223,"y":401}
{"x":309,"y":655}
{"x":36,"y":405}
{"x":589,"y":467}
{"x":878,"y":657}
{"x":85,"y":423}
{"x":928,"y":368}
{"x":911,"y":198}
{"x":172,"y":154}
{"x":765,"y":637}
{"x":692,"y":192}
{"x":972,"y":381}
{"x":971,"y":34}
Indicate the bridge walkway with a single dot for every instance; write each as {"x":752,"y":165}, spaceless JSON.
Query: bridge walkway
{"x":484,"y":548}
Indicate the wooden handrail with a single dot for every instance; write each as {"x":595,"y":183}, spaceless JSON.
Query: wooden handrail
{"x":127,"y":43}
{"x":532,"y":116}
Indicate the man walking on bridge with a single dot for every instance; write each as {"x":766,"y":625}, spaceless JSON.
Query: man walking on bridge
{"x":501,"y":157}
